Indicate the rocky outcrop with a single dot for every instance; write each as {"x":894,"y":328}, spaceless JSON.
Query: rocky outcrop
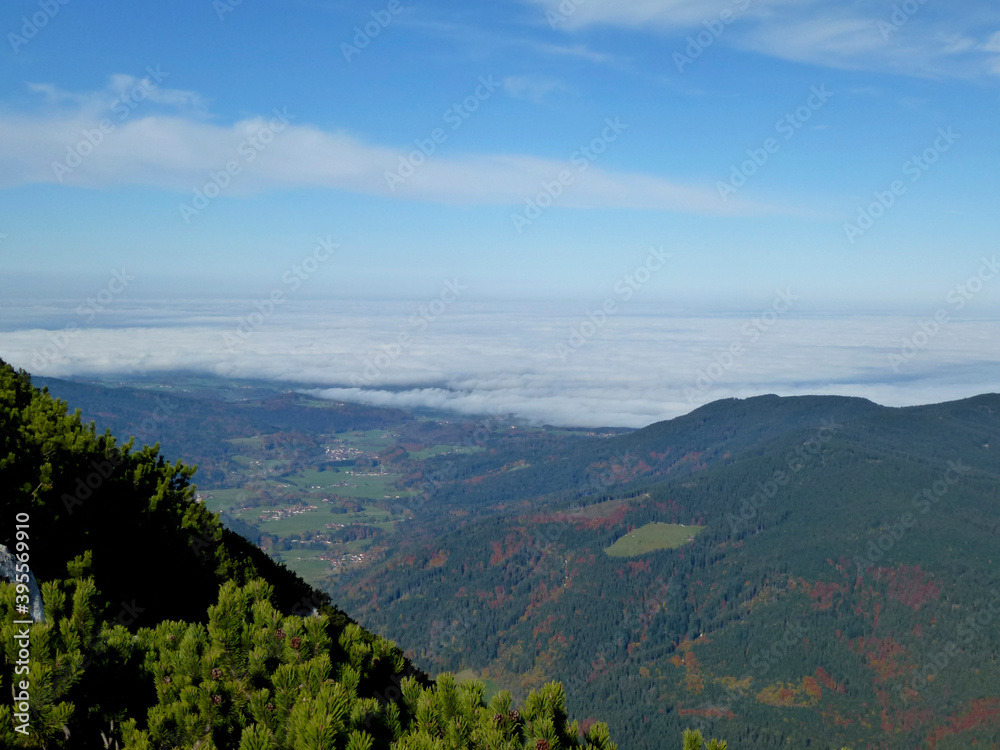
{"x":8,"y":571}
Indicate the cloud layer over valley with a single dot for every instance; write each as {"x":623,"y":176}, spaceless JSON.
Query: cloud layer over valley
{"x":566,"y":364}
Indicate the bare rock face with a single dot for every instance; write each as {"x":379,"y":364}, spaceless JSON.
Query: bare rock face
{"x":8,"y":571}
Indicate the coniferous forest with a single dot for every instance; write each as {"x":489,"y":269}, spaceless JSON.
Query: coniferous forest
{"x":161,"y":629}
{"x":816,"y":570}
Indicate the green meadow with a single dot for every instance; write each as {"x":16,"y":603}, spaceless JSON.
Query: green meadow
{"x":651,"y":537}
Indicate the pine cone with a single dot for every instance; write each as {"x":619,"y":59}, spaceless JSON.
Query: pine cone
{"x":279,"y":634}
{"x":541,"y":745}
{"x":166,"y":680}
{"x":217,"y":700}
{"x":216,"y":673}
{"x":514,"y":716}
{"x":497,"y":718}
{"x":269,"y":707}
{"x":295,"y":642}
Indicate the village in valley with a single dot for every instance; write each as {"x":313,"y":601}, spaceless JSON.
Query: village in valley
{"x":324,"y":505}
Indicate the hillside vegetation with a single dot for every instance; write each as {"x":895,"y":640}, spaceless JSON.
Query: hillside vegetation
{"x":842,"y":590}
{"x":164,"y":630}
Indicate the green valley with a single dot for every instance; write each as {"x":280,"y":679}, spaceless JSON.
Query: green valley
{"x":766,"y":570}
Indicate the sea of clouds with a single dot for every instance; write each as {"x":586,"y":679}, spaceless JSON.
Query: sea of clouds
{"x":566,"y":364}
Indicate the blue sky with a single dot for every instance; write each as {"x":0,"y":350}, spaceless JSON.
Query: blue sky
{"x":186,"y":88}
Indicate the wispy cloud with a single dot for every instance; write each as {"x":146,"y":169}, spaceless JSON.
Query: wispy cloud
{"x":581,"y":51}
{"x":533,"y":88}
{"x":123,"y":88}
{"x":480,"y":41}
{"x":179,"y":152}
{"x":944,"y":41}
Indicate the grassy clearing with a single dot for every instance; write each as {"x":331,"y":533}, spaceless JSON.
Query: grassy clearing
{"x":318,"y":403}
{"x":372,"y":440}
{"x":219,"y":500}
{"x":603,"y":510}
{"x":316,"y":486}
{"x":347,"y":484}
{"x":440,"y":450}
{"x":255,"y":442}
{"x":307,"y":564}
{"x":311,"y":480}
{"x":313,"y":520}
{"x":651,"y":537}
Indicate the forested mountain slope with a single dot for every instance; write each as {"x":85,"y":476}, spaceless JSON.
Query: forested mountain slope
{"x":163,"y":630}
{"x":817,"y":571}
{"x":846,"y":585}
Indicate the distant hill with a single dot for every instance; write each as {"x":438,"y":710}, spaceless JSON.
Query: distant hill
{"x":846,"y":590}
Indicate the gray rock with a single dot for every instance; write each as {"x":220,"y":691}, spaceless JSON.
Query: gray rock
{"x":8,"y":571}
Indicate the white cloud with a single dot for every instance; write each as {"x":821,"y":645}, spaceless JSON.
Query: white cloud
{"x":993,"y":43}
{"x":573,"y":50}
{"x":863,"y":34}
{"x":130,"y":90}
{"x":181,"y":152}
{"x":482,"y":360}
{"x":533,"y":88}
{"x":664,"y":14}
